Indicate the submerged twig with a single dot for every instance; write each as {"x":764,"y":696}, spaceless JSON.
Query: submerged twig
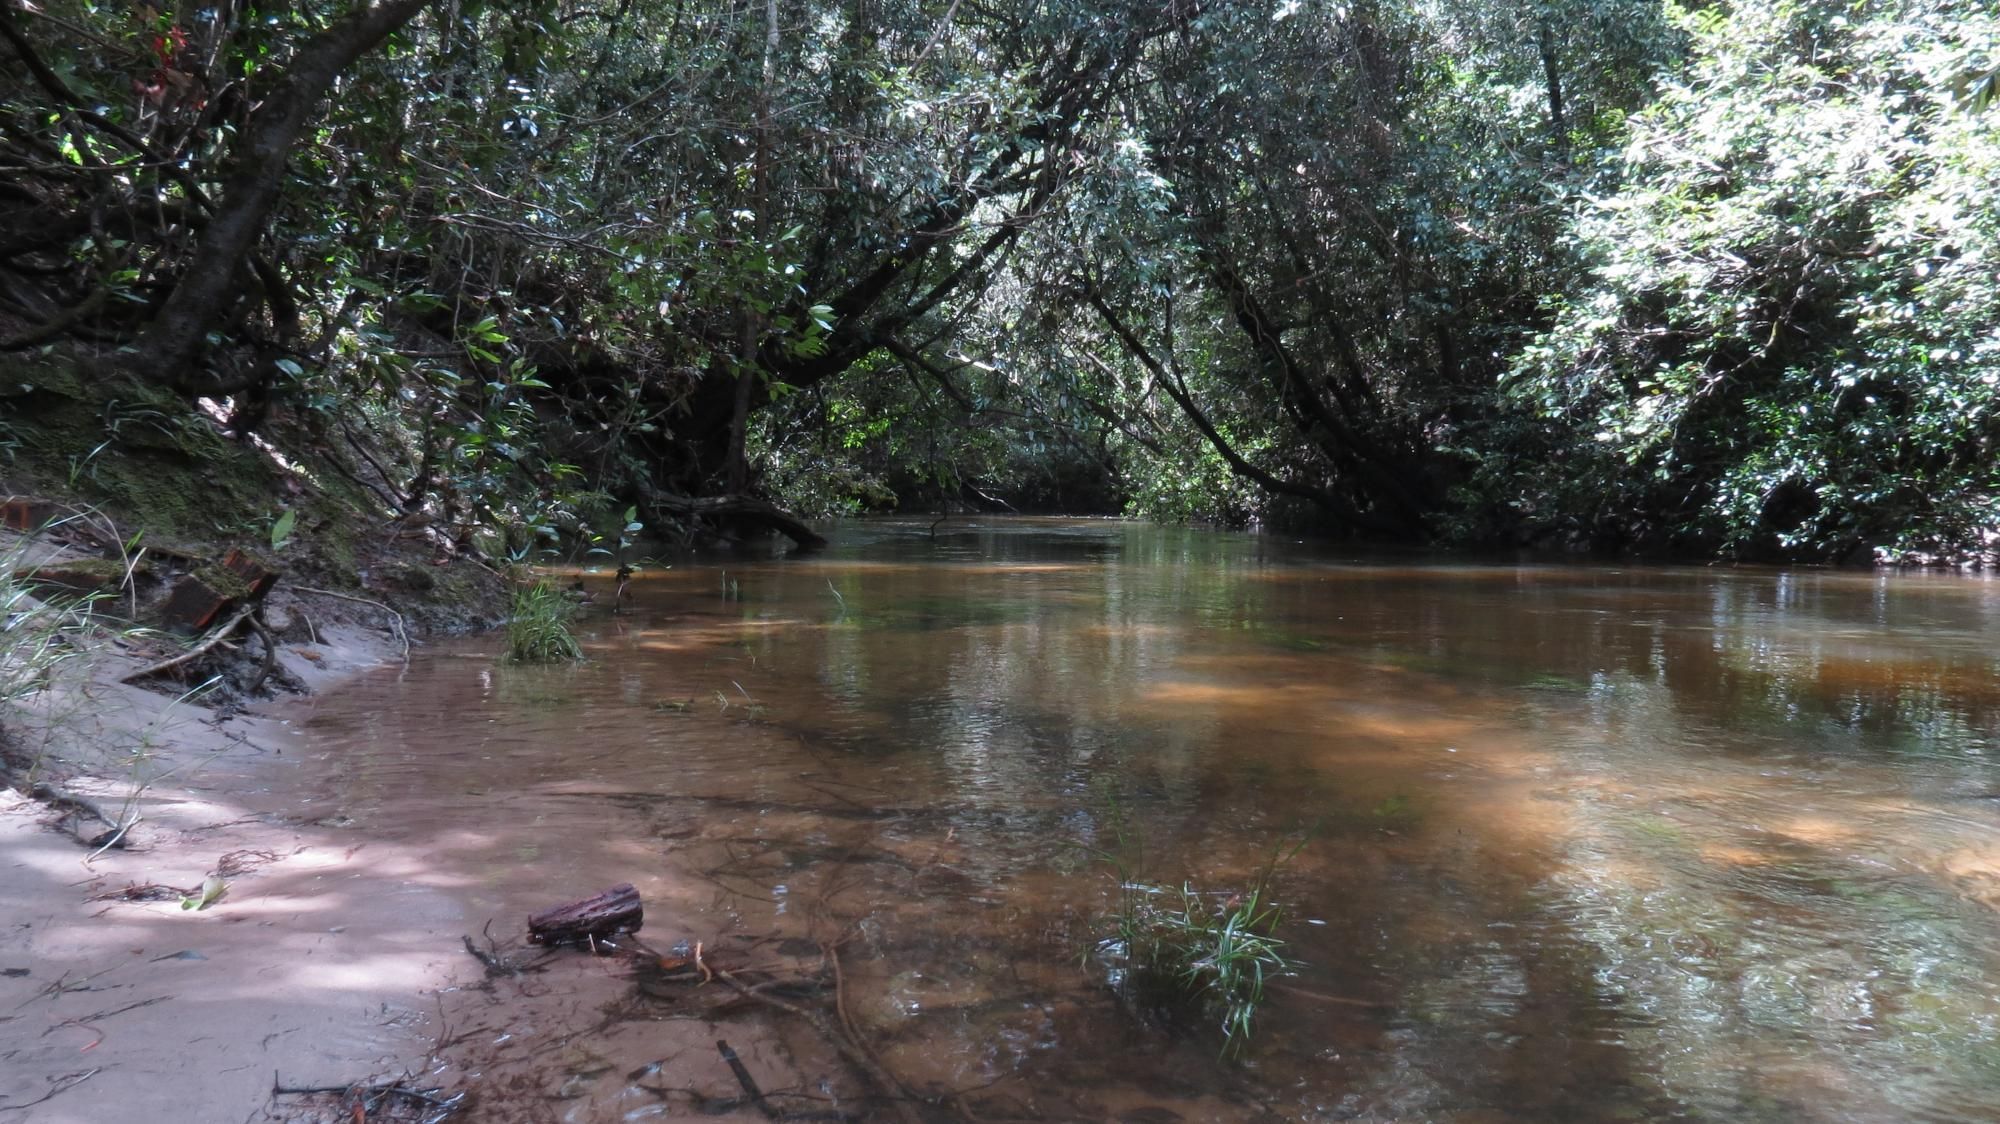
{"x":750,"y":1090}
{"x":367,"y":1099}
{"x":850,"y":1050}
{"x":63,"y":1085}
{"x":1318,"y":997}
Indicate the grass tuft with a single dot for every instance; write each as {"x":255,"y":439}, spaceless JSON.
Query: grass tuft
{"x":39,"y":633}
{"x":1189,"y":953}
{"x":538,"y":625}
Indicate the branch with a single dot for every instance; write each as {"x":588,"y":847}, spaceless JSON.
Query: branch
{"x":58,"y":89}
{"x":214,"y":637}
{"x":257,"y":167}
{"x":1327,"y":501}
{"x":915,"y":360}
{"x":46,"y":78}
{"x":1344,"y":445}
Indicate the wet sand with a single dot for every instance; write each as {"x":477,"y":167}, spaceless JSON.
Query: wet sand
{"x":314,"y":969}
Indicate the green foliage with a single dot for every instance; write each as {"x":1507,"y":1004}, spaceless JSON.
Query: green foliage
{"x":1591,"y":271}
{"x":1784,"y":344}
{"x":538,"y":622}
{"x":1185,"y":952}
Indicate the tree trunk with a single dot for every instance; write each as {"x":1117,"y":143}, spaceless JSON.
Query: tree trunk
{"x":746,"y":379}
{"x":1545,"y":42}
{"x":250,"y":185}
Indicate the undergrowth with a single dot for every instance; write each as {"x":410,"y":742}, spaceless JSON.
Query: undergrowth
{"x":538,"y":625}
{"x":38,"y":635}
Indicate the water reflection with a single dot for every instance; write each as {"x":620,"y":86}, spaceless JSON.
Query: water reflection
{"x":1595,"y":843}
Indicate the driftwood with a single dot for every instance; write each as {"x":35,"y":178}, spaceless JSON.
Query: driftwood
{"x":743,"y":509}
{"x":586,"y":922}
{"x":215,"y":637}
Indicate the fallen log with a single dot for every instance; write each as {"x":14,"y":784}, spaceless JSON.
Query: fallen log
{"x":586,"y":922}
{"x":742,"y":509}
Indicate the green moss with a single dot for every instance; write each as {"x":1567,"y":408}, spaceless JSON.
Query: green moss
{"x":82,"y":575}
{"x":136,"y":451}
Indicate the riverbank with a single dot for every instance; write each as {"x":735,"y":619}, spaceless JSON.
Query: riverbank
{"x":310,"y":964}
{"x":258,"y":932}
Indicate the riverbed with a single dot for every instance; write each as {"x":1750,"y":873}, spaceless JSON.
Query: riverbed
{"x":1583,"y":842}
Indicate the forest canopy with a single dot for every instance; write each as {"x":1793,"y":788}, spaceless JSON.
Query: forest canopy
{"x":1612,"y":274}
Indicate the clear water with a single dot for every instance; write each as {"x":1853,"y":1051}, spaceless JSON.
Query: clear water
{"x":1592,"y":843}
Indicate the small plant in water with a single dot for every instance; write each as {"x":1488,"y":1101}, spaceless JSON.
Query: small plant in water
{"x":1192,"y":955}
{"x":538,"y":626}
{"x":1187,"y":953}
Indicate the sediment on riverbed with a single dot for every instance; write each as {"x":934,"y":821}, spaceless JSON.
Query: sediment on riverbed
{"x":179,"y":932}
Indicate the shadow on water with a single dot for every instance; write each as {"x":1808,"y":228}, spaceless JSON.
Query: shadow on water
{"x":1596,"y":843}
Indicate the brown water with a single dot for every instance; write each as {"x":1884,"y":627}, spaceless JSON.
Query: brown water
{"x":1594,"y":843}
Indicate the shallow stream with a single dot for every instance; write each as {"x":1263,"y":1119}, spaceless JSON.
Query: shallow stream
{"x":1590,"y":843}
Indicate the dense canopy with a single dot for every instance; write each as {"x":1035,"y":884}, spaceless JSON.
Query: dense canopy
{"x":1583,"y":273}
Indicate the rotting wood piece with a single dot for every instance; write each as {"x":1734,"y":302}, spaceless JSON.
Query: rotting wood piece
{"x":25,"y":513}
{"x":211,"y":590}
{"x":253,"y":571}
{"x":585,"y":922}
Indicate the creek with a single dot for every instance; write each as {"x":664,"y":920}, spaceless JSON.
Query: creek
{"x":1590,"y":843}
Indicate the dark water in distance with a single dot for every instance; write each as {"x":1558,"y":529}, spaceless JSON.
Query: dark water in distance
{"x":1595,"y":843}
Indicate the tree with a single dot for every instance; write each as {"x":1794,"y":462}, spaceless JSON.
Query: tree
{"x":254,"y":173}
{"x":1784,"y":345}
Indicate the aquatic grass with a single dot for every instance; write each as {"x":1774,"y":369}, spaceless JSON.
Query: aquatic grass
{"x":1191,"y":953}
{"x":538,"y":625}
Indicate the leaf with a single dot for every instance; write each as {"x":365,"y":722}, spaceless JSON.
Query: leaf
{"x":281,"y":531}
{"x":213,"y":889}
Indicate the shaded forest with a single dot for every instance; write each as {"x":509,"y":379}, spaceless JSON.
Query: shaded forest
{"x":1580,"y":274}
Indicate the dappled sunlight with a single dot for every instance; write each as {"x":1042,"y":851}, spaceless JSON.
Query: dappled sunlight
{"x":1277,"y":698}
{"x":1821,"y":831}
{"x":1406,"y":726}
{"x":319,"y":946}
{"x":1580,"y":837}
{"x":1731,"y":854}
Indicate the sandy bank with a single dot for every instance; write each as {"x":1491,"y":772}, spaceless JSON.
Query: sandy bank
{"x":315,"y":968}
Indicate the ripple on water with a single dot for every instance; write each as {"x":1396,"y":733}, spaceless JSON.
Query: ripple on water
{"x":1593,"y":843}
